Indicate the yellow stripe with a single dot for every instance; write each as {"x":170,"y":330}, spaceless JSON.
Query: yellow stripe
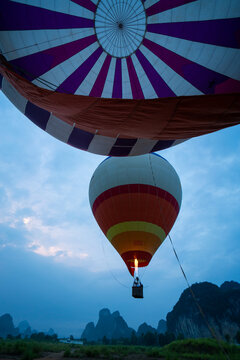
{"x":135,"y":226}
{"x":136,"y":241}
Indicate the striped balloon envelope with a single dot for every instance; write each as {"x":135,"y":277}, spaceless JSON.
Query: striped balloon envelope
{"x":122,"y":77}
{"x":135,"y":201}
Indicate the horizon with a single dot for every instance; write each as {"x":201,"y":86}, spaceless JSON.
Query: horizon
{"x":78,"y":336}
{"x":58,"y":270}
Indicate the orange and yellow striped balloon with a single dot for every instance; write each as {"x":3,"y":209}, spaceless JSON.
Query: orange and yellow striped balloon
{"x":135,"y":201}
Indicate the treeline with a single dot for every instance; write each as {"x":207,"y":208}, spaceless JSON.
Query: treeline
{"x":150,"y":339}
{"x":38,"y":336}
{"x":146,"y":339}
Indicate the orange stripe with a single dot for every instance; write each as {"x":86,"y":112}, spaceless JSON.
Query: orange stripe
{"x":136,"y":241}
{"x":135,"y":207}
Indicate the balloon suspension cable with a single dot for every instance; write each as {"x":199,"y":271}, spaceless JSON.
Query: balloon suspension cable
{"x":210,"y":328}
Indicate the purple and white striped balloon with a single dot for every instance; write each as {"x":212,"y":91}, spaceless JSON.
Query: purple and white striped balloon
{"x":121,"y":49}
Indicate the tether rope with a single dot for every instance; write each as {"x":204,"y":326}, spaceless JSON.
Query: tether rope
{"x":210,"y":328}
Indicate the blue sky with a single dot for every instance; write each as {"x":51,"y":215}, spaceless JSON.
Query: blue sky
{"x":58,"y":270}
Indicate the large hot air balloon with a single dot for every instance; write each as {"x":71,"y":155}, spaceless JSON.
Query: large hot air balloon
{"x":120,"y":77}
{"x":135,"y":201}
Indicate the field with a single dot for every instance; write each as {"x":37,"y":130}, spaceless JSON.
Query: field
{"x":189,"y":349}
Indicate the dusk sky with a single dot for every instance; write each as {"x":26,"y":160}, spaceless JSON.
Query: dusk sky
{"x":58,"y":269}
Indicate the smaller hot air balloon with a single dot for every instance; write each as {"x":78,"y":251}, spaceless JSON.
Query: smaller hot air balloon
{"x":135,"y":201}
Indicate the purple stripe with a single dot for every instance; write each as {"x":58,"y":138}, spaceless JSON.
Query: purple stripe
{"x":159,"y":85}
{"x":125,"y":142}
{"x":222,"y":32}
{"x":119,"y":151}
{"x":37,"y":115}
{"x":80,"y":139}
{"x":26,"y":17}
{"x":164,"y":5}
{"x":98,"y":86}
{"x":162,"y":144}
{"x":87,"y":4}
{"x":135,"y":84}
{"x":71,"y":84}
{"x":202,"y":78}
{"x":37,"y":64}
{"x":117,"y":85}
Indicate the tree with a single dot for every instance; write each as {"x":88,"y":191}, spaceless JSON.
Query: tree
{"x":105,"y":340}
{"x":227,"y":338}
{"x":180,"y":336}
{"x":237,"y":337}
{"x":161,"y":339}
{"x":149,"y":339}
{"x":133,"y":339}
{"x":167,"y":338}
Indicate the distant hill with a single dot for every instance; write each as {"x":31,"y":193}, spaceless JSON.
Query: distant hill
{"x":112,"y":326}
{"x":7,"y":327}
{"x":162,"y":326}
{"x":23,"y":329}
{"x":221,"y":306}
{"x":144,"y":329}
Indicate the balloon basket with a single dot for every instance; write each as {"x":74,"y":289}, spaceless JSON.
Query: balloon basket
{"x":137,"y":292}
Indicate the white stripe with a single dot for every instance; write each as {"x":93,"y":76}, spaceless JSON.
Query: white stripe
{"x":62,"y":71}
{"x":142,"y":146}
{"x":101,"y":145}
{"x":13,"y":95}
{"x":30,"y":42}
{"x":176,"y":82}
{"x":135,"y":170}
{"x":149,"y":3}
{"x":62,"y":6}
{"x":88,"y":82}
{"x":58,"y":128}
{"x":198,"y":11}
{"x":147,"y":88}
{"x":217,"y":58}
{"x":108,"y":87}
{"x":126,"y":85}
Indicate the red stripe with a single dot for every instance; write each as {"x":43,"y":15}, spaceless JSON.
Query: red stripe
{"x":135,"y":188}
{"x":135,"y":207}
